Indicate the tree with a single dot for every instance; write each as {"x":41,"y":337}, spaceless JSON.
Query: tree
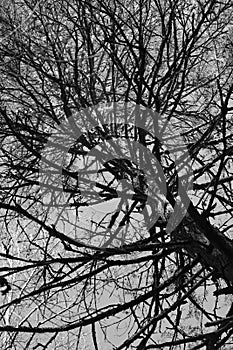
{"x":114,"y":116}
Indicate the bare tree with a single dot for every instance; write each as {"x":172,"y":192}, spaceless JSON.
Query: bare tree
{"x":116,"y":175}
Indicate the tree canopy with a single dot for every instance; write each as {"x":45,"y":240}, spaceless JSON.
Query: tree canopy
{"x":116,"y":167}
